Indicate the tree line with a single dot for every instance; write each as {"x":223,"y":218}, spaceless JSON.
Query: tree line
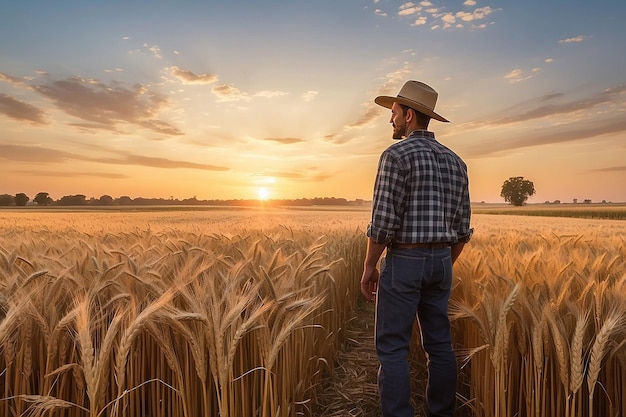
{"x":44,"y":199}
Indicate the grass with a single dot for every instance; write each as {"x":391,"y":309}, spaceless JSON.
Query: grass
{"x":586,"y":211}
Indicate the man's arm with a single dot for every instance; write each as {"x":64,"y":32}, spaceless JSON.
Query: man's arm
{"x":369,"y":279}
{"x":457,"y":248}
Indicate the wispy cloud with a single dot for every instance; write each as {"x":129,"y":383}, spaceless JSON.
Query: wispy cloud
{"x":18,"y":110}
{"x":609,"y":169}
{"x":559,"y":105}
{"x":309,"y":95}
{"x":229,"y":93}
{"x":518,"y":75}
{"x":552,"y":108}
{"x":188,"y":77}
{"x":303,"y":176}
{"x":270,"y":94}
{"x":38,"y":154}
{"x":226,"y":92}
{"x":11,"y":80}
{"x":577,"y":39}
{"x":285,"y":141}
{"x":557,"y":134}
{"x":159,"y":163}
{"x":379,"y":12}
{"x":154,"y":50}
{"x":73,"y":174}
{"x":370,"y":110}
{"x":108,"y":106}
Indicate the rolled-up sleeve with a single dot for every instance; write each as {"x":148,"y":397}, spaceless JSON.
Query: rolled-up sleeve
{"x":462,"y":222}
{"x":389,"y":192}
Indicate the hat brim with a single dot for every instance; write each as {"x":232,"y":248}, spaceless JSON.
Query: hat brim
{"x":387,"y":101}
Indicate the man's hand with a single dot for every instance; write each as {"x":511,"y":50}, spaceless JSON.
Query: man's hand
{"x":369,"y":283}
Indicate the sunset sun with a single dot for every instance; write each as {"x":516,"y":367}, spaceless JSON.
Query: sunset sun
{"x":263,"y":193}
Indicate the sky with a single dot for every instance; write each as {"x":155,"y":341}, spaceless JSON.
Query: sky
{"x":275,"y":99}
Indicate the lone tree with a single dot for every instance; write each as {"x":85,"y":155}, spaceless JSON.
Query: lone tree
{"x":516,"y":190}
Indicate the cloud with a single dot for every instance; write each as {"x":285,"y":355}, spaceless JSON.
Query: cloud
{"x":448,"y":19}
{"x":370,"y":110}
{"x":379,"y":12}
{"x":607,"y":96}
{"x":609,"y":169}
{"x":408,"y":9}
{"x":18,"y":110}
{"x":299,"y":176}
{"x":25,"y":153}
{"x":517,"y":75}
{"x":229,"y":93}
{"x":188,"y":77}
{"x":154,"y":162}
{"x":154,"y":49}
{"x":558,"y":134}
{"x":10,"y":79}
{"x":576,"y":39}
{"x":445,"y":19}
{"x":600,"y":121}
{"x":309,"y":95}
{"x":477,"y":14}
{"x":285,"y":141}
{"x":107,"y":106}
{"x":37,"y":154}
{"x":46,"y":174}
{"x":270,"y":94}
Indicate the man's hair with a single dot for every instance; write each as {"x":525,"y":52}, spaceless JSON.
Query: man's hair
{"x":422,"y":119}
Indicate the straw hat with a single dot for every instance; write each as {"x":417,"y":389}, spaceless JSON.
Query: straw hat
{"x":417,"y":96}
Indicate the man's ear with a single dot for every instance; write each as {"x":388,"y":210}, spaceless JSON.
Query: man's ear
{"x":408,"y":115}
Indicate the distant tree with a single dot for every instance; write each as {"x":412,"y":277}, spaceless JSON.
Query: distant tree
{"x":6,"y":200}
{"x":124,"y":201}
{"x":42,"y":199}
{"x":105,"y":200}
{"x":73,"y":200}
{"x":21,"y":199}
{"x":516,"y":190}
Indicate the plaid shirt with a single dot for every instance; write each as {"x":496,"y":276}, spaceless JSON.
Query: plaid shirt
{"x":421,"y":194}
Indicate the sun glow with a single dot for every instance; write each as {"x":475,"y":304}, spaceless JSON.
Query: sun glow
{"x":263,"y":193}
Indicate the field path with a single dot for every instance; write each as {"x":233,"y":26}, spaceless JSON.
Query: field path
{"x":352,"y":391}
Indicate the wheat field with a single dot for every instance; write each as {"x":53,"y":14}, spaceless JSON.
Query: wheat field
{"x":241,"y":312}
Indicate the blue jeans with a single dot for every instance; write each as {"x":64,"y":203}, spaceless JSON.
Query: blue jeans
{"x":415,"y":281}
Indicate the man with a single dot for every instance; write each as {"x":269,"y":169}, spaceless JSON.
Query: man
{"x":421,"y":215}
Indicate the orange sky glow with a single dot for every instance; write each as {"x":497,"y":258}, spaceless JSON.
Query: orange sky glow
{"x":275,"y":101}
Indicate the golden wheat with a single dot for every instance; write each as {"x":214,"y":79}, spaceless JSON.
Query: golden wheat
{"x":215,"y":313}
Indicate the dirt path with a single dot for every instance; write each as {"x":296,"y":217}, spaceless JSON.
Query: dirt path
{"x":352,"y":391}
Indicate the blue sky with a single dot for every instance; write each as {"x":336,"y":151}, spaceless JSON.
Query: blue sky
{"x":239,"y":99}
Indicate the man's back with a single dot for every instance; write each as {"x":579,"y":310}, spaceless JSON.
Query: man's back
{"x":427,"y":185}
